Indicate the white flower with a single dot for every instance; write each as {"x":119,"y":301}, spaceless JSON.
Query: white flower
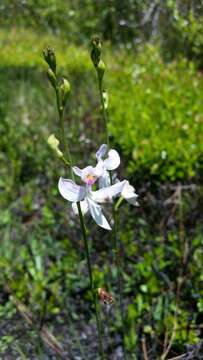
{"x":110,"y":163}
{"x":89,"y":174}
{"x":128,"y":193}
{"x":113,"y":159}
{"x":89,"y":199}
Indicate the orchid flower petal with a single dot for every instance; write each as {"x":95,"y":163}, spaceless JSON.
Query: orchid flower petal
{"x":112,"y":161}
{"x":97,"y":214}
{"x":129,"y":194}
{"x":107,"y":193}
{"x":104,"y":180}
{"x":87,"y":171}
{"x":99,"y":169}
{"x":101,"y":152}
{"x":90,"y":174}
{"x":70,"y":191}
{"x":83,"y":205}
{"x":133,"y":200}
{"x":77,"y":171}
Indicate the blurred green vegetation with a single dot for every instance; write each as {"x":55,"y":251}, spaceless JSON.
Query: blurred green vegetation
{"x":175,"y":24}
{"x":149,"y":101}
{"x":156,"y":122}
{"x":156,"y":111}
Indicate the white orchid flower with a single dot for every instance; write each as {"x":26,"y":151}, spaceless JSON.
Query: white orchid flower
{"x":89,"y":174}
{"x":111,"y":162}
{"x":129,"y":194}
{"x":89,"y":199}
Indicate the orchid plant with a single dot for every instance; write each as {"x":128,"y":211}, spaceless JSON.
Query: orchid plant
{"x":97,"y":185}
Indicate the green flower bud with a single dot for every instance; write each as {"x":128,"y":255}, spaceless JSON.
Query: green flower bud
{"x":53,"y":142}
{"x":96,"y":50}
{"x":50,"y":58}
{"x":101,"y":69}
{"x":51,"y":77}
{"x":64,"y":90}
{"x":106,"y":99}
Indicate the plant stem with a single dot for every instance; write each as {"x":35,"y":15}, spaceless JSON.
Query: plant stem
{"x":104,"y":111}
{"x":64,"y":141}
{"x":98,"y":318}
{"x":115,"y":228}
{"x":67,"y":152}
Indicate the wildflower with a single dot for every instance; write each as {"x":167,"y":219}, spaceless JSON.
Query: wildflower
{"x":89,"y":174}
{"x":129,"y":194}
{"x":110,"y":163}
{"x":89,"y":199}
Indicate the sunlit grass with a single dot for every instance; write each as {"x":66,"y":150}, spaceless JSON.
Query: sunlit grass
{"x":23,"y":47}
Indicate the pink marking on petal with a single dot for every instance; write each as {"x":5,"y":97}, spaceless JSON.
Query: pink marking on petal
{"x":90,"y":179}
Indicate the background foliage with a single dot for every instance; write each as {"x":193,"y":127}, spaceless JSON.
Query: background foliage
{"x":176,"y":24}
{"x":155,"y":85}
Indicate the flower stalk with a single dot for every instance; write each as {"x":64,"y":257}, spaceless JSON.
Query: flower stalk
{"x":63,"y":138}
{"x":93,"y":290}
{"x":100,"y":69}
{"x":62,"y":91}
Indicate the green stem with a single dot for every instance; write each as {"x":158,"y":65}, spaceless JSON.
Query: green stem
{"x":115,"y":230}
{"x":94,"y":295}
{"x":104,"y":111}
{"x":64,"y":141}
{"x":67,"y":152}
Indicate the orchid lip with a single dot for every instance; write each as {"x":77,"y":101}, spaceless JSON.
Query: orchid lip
{"x":90,"y":179}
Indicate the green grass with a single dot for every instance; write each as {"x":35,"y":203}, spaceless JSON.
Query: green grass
{"x":157,"y":116}
{"x":22,"y":47}
{"x":155,"y":108}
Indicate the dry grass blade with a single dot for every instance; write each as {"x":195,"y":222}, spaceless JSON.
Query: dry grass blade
{"x":144,"y":349}
{"x":178,"y":357}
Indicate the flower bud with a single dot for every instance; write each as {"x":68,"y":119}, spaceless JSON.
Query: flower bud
{"x":101,"y":69}
{"x":65,"y":90}
{"x":50,"y":58}
{"x":51,"y":77}
{"x":106,"y":99}
{"x":53,"y":142}
{"x":96,"y":50}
